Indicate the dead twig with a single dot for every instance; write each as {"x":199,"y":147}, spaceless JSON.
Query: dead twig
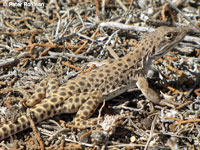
{"x":13,"y":61}
{"x":35,"y":130}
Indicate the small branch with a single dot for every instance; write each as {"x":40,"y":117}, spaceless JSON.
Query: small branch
{"x":126,"y":27}
{"x":12,"y":61}
{"x":173,"y":6}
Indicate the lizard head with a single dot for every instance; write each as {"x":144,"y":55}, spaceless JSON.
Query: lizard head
{"x":163,"y":40}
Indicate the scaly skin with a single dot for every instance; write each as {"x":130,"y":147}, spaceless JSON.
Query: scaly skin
{"x":84,"y":93}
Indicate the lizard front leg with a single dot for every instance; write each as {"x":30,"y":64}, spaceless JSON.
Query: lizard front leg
{"x":149,"y":93}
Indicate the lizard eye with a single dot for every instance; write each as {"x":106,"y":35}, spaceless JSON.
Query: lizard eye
{"x":169,"y":36}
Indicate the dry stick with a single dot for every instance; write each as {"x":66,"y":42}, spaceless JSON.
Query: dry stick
{"x":93,"y":66}
{"x":62,"y":143}
{"x":180,"y":73}
{"x":6,"y":47}
{"x":64,"y":55}
{"x":46,"y":49}
{"x":13,"y":61}
{"x":197,"y":92}
{"x":193,"y":39}
{"x":58,"y":24}
{"x":122,"y":5}
{"x":31,"y":38}
{"x":110,"y":37}
{"x":37,"y":16}
{"x":173,"y":6}
{"x":127,"y":145}
{"x":194,"y":86}
{"x":86,"y":134}
{"x":97,"y":7}
{"x":100,"y":110}
{"x":180,"y":121}
{"x":83,"y":45}
{"x":171,"y":13}
{"x":70,"y":65}
{"x":81,"y":143}
{"x":151,"y":132}
{"x":181,"y":106}
{"x":81,"y":30}
{"x":56,"y":134}
{"x":103,"y":7}
{"x":35,"y":130}
{"x":112,"y":52}
{"x":16,"y":89}
{"x":126,"y":27}
{"x":65,"y":30}
{"x":85,"y":37}
{"x":70,"y":45}
{"x":163,"y":8}
{"x":43,"y":12}
{"x":25,"y":31}
{"x":90,"y":46}
{"x":43,"y":45}
{"x":79,"y":16}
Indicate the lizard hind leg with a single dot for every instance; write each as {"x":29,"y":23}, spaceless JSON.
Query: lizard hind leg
{"x":52,"y":85}
{"x":43,"y":89}
{"x":85,"y":105}
{"x":87,"y":109}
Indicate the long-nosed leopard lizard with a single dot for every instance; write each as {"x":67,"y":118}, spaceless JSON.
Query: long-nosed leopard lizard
{"x":84,"y":93}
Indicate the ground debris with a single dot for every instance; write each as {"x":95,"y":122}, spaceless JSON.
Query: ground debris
{"x":65,"y":36}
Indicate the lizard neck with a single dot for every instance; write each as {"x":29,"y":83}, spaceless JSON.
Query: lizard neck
{"x":135,"y":59}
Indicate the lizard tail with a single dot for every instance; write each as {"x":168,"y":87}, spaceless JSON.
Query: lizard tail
{"x":38,"y":113}
{"x":9,"y":127}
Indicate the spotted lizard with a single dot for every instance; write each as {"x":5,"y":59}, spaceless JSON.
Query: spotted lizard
{"x":83,"y":94}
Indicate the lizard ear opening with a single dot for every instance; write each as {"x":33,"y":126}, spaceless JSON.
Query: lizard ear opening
{"x":153,"y":50}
